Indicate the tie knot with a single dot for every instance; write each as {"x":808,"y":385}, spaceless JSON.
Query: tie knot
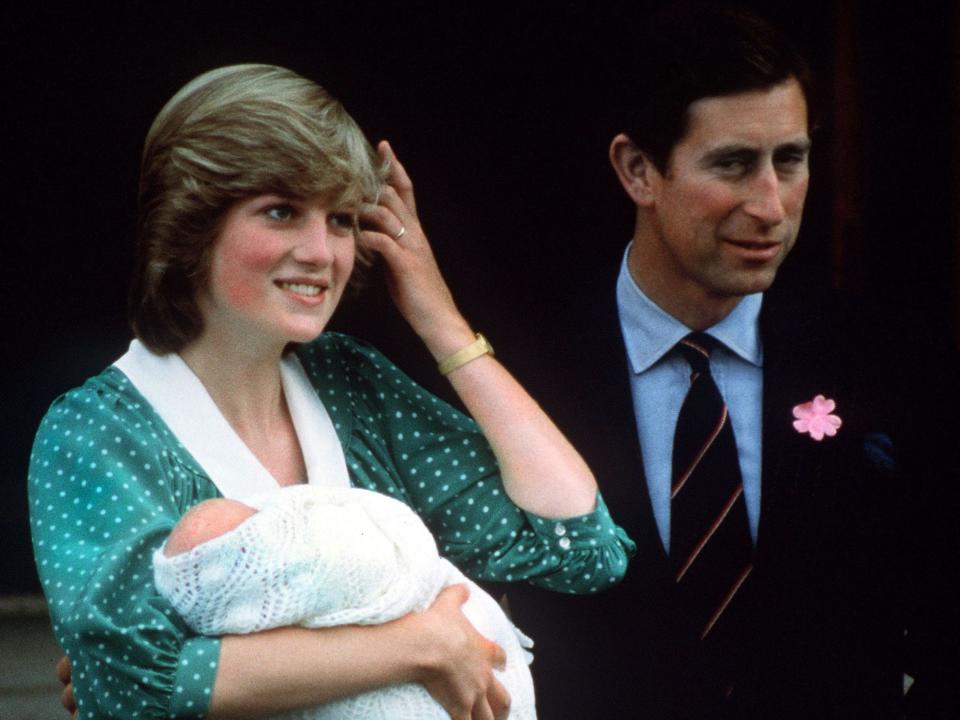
{"x":696,"y":348}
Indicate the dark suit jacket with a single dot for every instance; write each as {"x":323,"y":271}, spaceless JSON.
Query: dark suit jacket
{"x":820,"y":627}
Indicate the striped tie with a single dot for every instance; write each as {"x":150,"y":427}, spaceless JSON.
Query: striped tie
{"x":710,"y":547}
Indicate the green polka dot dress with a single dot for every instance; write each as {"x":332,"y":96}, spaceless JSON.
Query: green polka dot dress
{"x":108,"y":481}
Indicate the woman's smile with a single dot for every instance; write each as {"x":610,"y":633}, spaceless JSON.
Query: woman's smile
{"x":310,"y":293}
{"x":301,"y":288}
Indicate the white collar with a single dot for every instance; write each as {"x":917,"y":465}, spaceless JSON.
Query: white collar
{"x":183,"y":403}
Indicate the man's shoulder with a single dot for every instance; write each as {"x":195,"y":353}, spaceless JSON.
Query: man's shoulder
{"x":826,"y":330}
{"x":816,"y":311}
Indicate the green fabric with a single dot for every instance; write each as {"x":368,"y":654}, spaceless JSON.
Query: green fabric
{"x":108,"y":481}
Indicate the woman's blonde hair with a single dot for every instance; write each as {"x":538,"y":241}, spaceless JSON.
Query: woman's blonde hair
{"x":229,"y":134}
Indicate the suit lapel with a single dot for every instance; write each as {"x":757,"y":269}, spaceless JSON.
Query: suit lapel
{"x":796,"y":367}
{"x":620,"y":470}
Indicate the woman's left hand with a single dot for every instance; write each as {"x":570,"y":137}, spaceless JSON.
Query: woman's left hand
{"x":392,"y":229}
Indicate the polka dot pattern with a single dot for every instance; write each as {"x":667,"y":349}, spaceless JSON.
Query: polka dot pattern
{"x":108,"y":481}
{"x":402,"y":441}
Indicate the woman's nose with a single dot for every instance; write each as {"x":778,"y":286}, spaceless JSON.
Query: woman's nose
{"x":314,"y":244}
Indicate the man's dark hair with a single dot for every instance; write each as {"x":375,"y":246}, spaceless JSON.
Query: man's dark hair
{"x":693,"y":51}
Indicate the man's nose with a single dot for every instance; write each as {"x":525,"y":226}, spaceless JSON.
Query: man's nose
{"x":765,"y":201}
{"x":314,"y":245}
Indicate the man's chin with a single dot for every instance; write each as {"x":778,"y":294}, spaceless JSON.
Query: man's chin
{"x":748,"y":283}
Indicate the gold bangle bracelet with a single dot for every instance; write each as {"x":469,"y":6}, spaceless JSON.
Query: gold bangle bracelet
{"x":461,"y":357}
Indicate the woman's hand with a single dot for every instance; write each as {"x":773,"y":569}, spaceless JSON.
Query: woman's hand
{"x":459,"y":661}
{"x":64,"y":674}
{"x":393,"y":230}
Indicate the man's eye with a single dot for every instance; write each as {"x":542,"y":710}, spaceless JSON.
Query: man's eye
{"x":791,"y":160}
{"x":731,"y":164}
{"x":280,"y":212}
{"x":342,"y":220}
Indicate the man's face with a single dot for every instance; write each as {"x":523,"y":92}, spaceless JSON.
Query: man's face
{"x":727,"y":210}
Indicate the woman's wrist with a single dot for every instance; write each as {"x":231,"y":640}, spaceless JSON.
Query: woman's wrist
{"x":445,"y":338}
{"x":478,"y":348}
{"x":420,"y":653}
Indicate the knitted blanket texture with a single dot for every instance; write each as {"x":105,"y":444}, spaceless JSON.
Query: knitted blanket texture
{"x":321,"y":557}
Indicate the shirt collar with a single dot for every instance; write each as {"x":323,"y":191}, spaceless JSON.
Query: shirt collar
{"x":650,"y":333}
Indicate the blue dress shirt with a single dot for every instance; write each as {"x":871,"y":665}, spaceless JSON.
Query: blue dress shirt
{"x":659,"y":380}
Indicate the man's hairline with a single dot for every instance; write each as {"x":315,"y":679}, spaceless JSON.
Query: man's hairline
{"x":665,"y":170}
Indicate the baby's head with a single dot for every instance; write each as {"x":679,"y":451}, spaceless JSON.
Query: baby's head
{"x":206,"y":521}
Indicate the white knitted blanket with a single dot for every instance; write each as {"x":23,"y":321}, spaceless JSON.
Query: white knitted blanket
{"x":320,"y":557}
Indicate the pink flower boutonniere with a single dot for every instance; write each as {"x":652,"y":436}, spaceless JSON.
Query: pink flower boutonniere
{"x":815,"y":418}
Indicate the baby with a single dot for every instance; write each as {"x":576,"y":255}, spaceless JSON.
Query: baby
{"x":320,"y":557}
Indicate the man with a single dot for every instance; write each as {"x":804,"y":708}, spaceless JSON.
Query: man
{"x":794,"y":613}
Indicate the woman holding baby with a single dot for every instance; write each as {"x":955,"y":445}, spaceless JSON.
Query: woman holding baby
{"x":258,"y":195}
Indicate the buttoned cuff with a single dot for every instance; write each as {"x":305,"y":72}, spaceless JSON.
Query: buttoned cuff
{"x":582,"y":532}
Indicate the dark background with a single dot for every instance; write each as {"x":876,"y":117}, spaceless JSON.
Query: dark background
{"x":500,"y":115}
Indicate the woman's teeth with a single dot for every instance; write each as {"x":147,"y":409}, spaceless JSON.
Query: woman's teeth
{"x":300,"y":288}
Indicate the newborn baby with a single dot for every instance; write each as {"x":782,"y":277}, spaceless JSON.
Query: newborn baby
{"x":319,"y":557}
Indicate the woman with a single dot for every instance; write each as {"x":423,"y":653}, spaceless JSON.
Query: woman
{"x":257,"y":193}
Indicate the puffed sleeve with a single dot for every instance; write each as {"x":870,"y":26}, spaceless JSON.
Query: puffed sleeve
{"x":412,"y":445}
{"x":105,"y":490}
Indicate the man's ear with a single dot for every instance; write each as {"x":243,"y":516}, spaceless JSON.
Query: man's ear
{"x":634,"y":170}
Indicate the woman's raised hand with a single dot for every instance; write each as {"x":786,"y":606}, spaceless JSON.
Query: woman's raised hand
{"x":542,"y":473}
{"x":392,"y":229}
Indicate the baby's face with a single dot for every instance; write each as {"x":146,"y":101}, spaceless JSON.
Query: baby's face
{"x":205,"y":521}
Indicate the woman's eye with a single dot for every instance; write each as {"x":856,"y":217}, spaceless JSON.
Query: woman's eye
{"x":279,"y":212}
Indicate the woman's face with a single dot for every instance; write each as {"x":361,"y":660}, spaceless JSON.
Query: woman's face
{"x":278,"y":269}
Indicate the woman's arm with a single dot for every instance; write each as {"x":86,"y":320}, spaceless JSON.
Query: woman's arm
{"x":306,"y":544}
{"x":541,"y":471}
{"x":402,"y":441}
{"x":289,"y":668}
{"x":256,"y":678}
